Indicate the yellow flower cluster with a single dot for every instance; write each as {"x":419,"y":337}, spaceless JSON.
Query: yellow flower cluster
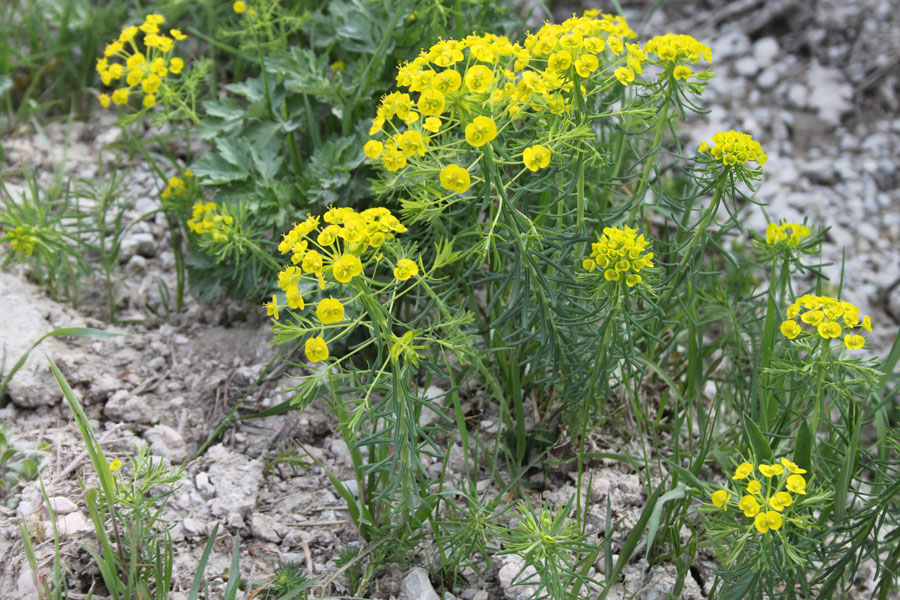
{"x":733,"y":147}
{"x":474,"y":88}
{"x":678,"y":50}
{"x":766,"y":499}
{"x":778,"y":234}
{"x":333,"y":249}
{"x":621,"y":254}
{"x":176,"y":186}
{"x":208,"y":220}
{"x":142,"y":70}
{"x":22,"y":239}
{"x":829,"y":317}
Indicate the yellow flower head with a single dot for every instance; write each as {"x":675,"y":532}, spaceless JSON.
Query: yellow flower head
{"x":829,"y":329}
{"x":536,"y":157}
{"x":830,"y":317}
{"x":674,"y":47}
{"x":791,"y":466}
{"x":854,"y":342}
{"x":481,"y":131}
{"x":720,"y":498}
{"x":733,"y":147}
{"x":754,"y":487}
{"x":771,"y":470}
{"x":373,"y":149}
{"x":432,"y":124}
{"x":455,"y":178}
{"x":330,"y":310}
{"x":479,"y":78}
{"x":239,"y":7}
{"x":749,"y":505}
{"x":682,"y":72}
{"x":768,"y":521}
{"x":620,"y":253}
{"x":780,"y":501}
{"x":796,"y":484}
{"x":743,"y":471}
{"x":624,"y":75}
{"x":405,"y":269}
{"x":316,"y":349}
{"x":115,"y":465}
{"x":790,"y":329}
{"x":346,"y":268}
{"x":272,"y":307}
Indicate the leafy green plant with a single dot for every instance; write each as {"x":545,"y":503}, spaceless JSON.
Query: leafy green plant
{"x":16,"y":466}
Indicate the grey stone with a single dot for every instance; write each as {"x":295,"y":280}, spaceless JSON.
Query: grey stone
{"x":201,"y":481}
{"x":70,"y":524}
{"x":766,"y":51}
{"x":125,"y":407}
{"x":62,"y":505}
{"x":351,"y":486}
{"x":768,"y":78}
{"x":746,"y":66}
{"x":236,"y":479}
{"x":829,"y":93}
{"x":193,"y":526}
{"x":264,"y":527}
{"x":730,"y":44}
{"x":797,"y":95}
{"x":417,"y":586}
{"x":341,"y":451}
{"x":512,"y":574}
{"x":166,"y":442}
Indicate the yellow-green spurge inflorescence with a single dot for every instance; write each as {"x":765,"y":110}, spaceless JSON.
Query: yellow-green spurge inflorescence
{"x":139,"y":61}
{"x":462,"y":94}
{"x":329,"y":253}
{"x":767,"y":494}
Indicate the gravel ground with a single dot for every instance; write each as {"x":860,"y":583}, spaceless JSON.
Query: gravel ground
{"x":817,"y":83}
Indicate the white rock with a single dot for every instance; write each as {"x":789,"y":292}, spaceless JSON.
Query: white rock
{"x":193,"y":526}
{"x":341,"y":451}
{"x":766,"y":51}
{"x":417,"y":586}
{"x":62,"y":505}
{"x":768,"y":78}
{"x":829,"y":93}
{"x":71,"y":524}
{"x":599,"y":488}
{"x":797,"y":95}
{"x":166,"y":442}
{"x":746,"y":66}
{"x":201,"y":481}
{"x":125,"y":407}
{"x":730,"y":44}
{"x":512,"y":574}
{"x":265,"y":528}
{"x":236,"y":479}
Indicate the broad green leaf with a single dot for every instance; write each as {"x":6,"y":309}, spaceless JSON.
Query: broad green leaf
{"x":224,"y":108}
{"x":215,"y":170}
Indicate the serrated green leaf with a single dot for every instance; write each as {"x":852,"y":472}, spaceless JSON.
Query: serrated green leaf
{"x":215,"y":170}
{"x":224,"y":108}
{"x":236,"y":151}
{"x":251,"y":89}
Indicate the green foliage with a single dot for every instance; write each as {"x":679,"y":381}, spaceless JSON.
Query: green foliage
{"x":16,"y":467}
